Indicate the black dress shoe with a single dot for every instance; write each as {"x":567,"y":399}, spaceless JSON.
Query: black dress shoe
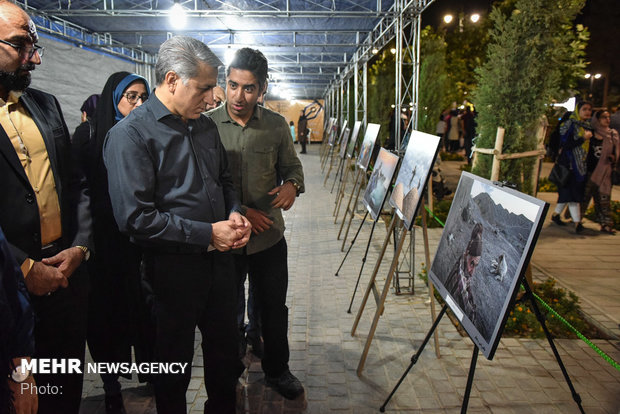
{"x":286,"y":385}
{"x":114,"y":404}
{"x":555,"y":217}
{"x":579,"y":228}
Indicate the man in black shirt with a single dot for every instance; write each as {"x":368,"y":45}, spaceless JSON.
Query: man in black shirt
{"x":172,"y":193}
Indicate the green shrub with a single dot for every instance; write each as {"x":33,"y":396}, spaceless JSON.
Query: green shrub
{"x":441,"y":210}
{"x":522,"y":321}
{"x":451,"y":156}
{"x":544,"y":185}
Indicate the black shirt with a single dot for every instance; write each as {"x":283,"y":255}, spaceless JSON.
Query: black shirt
{"x":168,"y":180}
{"x":594,"y":153}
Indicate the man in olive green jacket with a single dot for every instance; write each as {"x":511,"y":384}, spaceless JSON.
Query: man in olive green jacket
{"x":268,"y":176}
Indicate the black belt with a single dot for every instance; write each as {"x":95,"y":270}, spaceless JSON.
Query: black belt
{"x":177,"y":249}
{"x":51,"y":249}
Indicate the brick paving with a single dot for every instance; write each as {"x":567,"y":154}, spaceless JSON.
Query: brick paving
{"x":523,"y":377}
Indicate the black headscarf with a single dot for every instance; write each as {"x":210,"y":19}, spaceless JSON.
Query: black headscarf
{"x":105,"y":112}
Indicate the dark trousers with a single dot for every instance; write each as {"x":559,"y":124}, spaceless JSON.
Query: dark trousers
{"x":192,"y":290}
{"x":304,"y":141}
{"x":60,"y":332}
{"x":268,"y":273}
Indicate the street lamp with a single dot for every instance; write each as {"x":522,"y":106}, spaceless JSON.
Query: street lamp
{"x":474,"y":18}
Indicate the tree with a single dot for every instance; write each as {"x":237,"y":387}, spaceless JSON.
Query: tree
{"x":381,"y":94}
{"x":465,"y":52}
{"x":534,"y":56}
{"x":433,"y":96}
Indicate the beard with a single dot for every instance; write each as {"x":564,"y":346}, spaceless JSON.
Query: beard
{"x":13,"y":81}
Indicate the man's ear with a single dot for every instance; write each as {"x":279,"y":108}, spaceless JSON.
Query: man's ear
{"x":170,"y":80}
{"x":264,"y":88}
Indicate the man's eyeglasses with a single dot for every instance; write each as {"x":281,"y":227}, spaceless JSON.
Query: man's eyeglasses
{"x":132,"y":97}
{"x":27,"y":50}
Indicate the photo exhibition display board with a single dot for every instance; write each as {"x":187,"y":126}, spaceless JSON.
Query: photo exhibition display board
{"x":368,"y":144}
{"x":413,"y":175}
{"x":333,"y":128}
{"x":353,"y":140}
{"x":344,"y":126}
{"x":379,"y":182}
{"x":343,"y":143}
{"x":486,"y":244}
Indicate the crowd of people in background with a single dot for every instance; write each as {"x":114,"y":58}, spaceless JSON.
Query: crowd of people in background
{"x":587,"y":147}
{"x":457,"y":129}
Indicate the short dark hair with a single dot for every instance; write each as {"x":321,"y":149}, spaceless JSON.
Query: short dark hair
{"x":252,"y":60}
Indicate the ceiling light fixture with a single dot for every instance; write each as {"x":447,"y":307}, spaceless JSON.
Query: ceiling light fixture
{"x":178,"y":16}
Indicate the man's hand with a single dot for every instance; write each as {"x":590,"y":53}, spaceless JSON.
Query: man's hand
{"x":66,"y":261}
{"x":260,"y":221}
{"x":43,"y":279}
{"x":227,"y":234}
{"x":286,"y":194}
{"x":244,"y":229}
{"x":27,"y":401}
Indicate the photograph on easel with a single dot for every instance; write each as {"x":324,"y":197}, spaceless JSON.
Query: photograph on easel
{"x":484,"y":249}
{"x":413,"y":175}
{"x":343,"y":142}
{"x":353,"y":140}
{"x":368,"y":144}
{"x":379,"y":182}
{"x":333,"y":132}
{"x":342,"y":130}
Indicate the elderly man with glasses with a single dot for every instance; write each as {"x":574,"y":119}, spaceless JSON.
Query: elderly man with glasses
{"x":45,"y":212}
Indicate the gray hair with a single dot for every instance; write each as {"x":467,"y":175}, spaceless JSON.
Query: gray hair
{"x":183,"y":55}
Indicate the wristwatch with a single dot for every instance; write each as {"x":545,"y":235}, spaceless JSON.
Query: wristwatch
{"x":18,"y":376}
{"x":297,"y":187}
{"x":86,"y":252}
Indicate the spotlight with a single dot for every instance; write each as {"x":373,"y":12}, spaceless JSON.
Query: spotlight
{"x":178,"y":16}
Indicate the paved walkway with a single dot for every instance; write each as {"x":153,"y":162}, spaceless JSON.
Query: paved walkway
{"x":522,"y":378}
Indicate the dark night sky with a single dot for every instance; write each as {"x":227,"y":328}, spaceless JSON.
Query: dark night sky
{"x":602,"y":18}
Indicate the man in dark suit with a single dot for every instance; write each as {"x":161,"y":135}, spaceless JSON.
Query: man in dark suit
{"x":43,"y":209}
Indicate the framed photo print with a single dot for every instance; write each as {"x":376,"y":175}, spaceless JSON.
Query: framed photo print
{"x":487,"y":242}
{"x":353,"y":140}
{"x":368,"y":144}
{"x":343,"y":142}
{"x":413,"y":175}
{"x":379,"y":183}
{"x":344,"y":126}
{"x":333,"y":130}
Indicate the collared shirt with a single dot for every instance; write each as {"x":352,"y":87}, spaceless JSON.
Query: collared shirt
{"x":32,"y":152}
{"x":168,"y":180}
{"x":262,"y":156}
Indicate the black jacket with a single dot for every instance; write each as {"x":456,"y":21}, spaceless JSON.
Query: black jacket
{"x":19,"y":212}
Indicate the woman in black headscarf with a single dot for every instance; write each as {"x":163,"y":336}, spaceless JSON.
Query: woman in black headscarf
{"x":115,"y":321}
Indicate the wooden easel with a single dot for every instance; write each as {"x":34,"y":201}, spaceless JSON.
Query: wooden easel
{"x":341,"y":189}
{"x":474,"y":358}
{"x":380,"y":297}
{"x":350,"y":210}
{"x":331,"y":165}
